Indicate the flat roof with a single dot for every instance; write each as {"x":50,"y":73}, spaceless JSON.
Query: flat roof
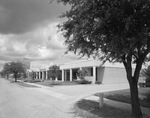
{"x":90,"y":63}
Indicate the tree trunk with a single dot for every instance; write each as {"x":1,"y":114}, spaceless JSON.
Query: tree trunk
{"x":136,"y":110}
{"x":15,"y":78}
{"x":7,"y":76}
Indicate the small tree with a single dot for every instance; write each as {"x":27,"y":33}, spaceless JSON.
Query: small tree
{"x":146,"y":73}
{"x":15,"y":68}
{"x":5,"y":71}
{"x":54,"y":72}
{"x":82,"y":73}
{"x":113,"y":30}
{"x":32,"y":74}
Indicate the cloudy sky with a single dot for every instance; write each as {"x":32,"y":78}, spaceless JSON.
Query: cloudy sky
{"x":28,"y":30}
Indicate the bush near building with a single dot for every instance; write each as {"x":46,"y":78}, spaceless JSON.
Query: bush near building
{"x":145,"y":73}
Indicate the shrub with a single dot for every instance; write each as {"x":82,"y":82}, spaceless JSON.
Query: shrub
{"x":32,"y":81}
{"x":82,"y":73}
{"x":147,"y":82}
{"x":84,"y":82}
{"x":98,"y":82}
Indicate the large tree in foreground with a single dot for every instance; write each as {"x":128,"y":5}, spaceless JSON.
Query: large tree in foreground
{"x":114,"y":30}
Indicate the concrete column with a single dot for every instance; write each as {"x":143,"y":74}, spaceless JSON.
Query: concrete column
{"x":70,"y":74}
{"x":46,"y":74}
{"x":65,"y":77}
{"x":42,"y":75}
{"x":62,"y":74}
{"x":94,"y":74}
{"x":36,"y":74}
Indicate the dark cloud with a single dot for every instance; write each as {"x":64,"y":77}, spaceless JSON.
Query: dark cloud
{"x":20,"y":16}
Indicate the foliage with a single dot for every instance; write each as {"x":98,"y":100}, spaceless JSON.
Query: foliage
{"x":82,"y":73}
{"x":113,"y":30}
{"x":146,"y":73}
{"x":54,"y":72}
{"x":83,"y":81}
{"x":15,"y":68}
{"x":32,"y":80}
{"x":32,"y":74}
{"x":5,"y":70}
{"x":98,"y":82}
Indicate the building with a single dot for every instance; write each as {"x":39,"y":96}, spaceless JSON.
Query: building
{"x":107,"y":73}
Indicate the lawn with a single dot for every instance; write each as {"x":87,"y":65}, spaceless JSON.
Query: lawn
{"x":55,"y":83}
{"x":21,"y":83}
{"x":90,"y":109}
{"x":124,"y":96}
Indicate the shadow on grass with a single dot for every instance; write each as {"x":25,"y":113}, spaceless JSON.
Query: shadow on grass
{"x":145,"y":102}
{"x":90,"y":109}
{"x":124,"y":96}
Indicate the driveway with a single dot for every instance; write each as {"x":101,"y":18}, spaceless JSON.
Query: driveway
{"x":45,"y":102}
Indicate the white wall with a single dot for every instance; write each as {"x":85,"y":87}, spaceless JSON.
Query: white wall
{"x":110,"y":75}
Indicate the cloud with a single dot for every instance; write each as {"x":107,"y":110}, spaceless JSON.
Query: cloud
{"x":28,"y":29}
{"x":41,"y":44}
{"x":21,"y":16}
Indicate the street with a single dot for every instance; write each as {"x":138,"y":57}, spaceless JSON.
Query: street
{"x":22,"y":102}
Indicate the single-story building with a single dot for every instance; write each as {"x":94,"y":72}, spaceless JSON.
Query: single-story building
{"x":107,"y":73}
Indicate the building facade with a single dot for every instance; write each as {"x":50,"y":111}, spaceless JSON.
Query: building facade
{"x":107,"y":73}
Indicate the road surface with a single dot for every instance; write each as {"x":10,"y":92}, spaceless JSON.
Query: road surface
{"x":23,"y":102}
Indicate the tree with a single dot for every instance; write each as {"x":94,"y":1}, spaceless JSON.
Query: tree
{"x":113,"y":30}
{"x":15,"y":68}
{"x":82,"y":73}
{"x":5,"y":70}
{"x":54,"y":72}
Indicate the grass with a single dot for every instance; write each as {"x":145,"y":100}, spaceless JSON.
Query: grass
{"x":25,"y":85}
{"x":90,"y":109}
{"x":124,"y":96}
{"x":21,"y":83}
{"x":32,"y":80}
{"x":62,"y":83}
{"x":54,"y":83}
